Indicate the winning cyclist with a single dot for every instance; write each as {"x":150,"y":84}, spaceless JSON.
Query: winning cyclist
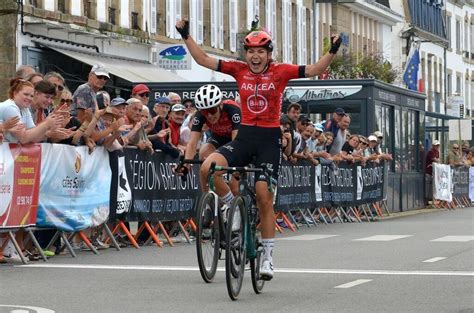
{"x":222,"y":118}
{"x":261,"y":83}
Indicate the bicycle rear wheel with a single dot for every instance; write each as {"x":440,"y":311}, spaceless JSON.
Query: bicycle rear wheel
{"x":207,"y":238}
{"x":257,"y":281}
{"x":235,"y":248}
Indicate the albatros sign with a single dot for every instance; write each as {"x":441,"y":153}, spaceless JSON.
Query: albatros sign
{"x":297,"y":94}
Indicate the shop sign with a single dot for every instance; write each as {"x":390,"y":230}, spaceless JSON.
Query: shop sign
{"x":297,"y":94}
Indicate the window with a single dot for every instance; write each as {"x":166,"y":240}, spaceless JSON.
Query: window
{"x":252,"y":11}
{"x":111,"y":16}
{"x":135,"y":20}
{"x":217,"y":24}
{"x":87,"y":9}
{"x":287,"y":32}
{"x":271,"y":21}
{"x":301,"y":33}
{"x":62,"y":6}
{"x":408,"y":153}
{"x":196,"y":20}
{"x":153,"y":17}
{"x":383,"y":118}
{"x":398,"y":140}
{"x":49,"y":5}
{"x":458,"y":84}
{"x":173,"y":14}
{"x":450,"y":84}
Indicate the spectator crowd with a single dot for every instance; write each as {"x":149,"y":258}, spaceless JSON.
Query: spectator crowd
{"x":41,"y":108}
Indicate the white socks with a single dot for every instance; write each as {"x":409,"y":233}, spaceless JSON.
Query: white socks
{"x":227,"y":199}
{"x":268,"y":249}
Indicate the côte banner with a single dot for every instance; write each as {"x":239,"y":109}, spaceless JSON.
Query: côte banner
{"x":19,"y":183}
{"x":74,"y":187}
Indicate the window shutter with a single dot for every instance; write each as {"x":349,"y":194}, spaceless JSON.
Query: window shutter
{"x":233,"y":11}
{"x":221,"y":23}
{"x":304,"y":48}
{"x":124,"y":14}
{"x":153,"y":17}
{"x":290,"y":32}
{"x":284,"y":16}
{"x":299,"y":33}
{"x":169,"y":18}
{"x":177,"y":17}
{"x":200,"y":24}
{"x":250,"y":13}
{"x":214,"y":23}
{"x":101,"y":10}
{"x":193,"y":19}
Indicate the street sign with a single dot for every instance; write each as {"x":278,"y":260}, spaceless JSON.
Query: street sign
{"x":460,"y":129}
{"x":454,"y":106}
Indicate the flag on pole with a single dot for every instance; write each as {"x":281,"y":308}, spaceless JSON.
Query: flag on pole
{"x":412,"y":74}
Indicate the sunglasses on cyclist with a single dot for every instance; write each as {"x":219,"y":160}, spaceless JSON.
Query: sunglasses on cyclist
{"x":210,"y":111}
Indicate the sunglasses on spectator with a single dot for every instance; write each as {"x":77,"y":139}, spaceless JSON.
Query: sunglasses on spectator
{"x":145,"y":94}
{"x":66,"y":101}
{"x":210,"y":111}
{"x":59,"y":87}
{"x":456,"y":148}
{"x":103,"y":77}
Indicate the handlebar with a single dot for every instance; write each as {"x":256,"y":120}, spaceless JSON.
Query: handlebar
{"x":242,"y":170}
{"x":181,"y":169}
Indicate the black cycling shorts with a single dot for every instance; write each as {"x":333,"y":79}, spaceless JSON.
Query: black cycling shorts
{"x":218,"y":141}
{"x":257,"y":145}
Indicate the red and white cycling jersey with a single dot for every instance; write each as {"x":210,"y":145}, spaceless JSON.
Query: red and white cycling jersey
{"x":261,"y":94}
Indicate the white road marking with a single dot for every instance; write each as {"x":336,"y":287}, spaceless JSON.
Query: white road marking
{"x":29,"y":308}
{"x":455,"y":239}
{"x":353,"y":283}
{"x":436,"y":259}
{"x":383,"y":238}
{"x":280,"y":270}
{"x":308,"y":237}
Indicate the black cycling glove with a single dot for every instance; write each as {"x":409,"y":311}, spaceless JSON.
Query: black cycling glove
{"x":184,"y":31}
{"x":335,"y":45}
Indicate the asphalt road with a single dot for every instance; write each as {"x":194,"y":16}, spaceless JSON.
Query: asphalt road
{"x":419,"y":263}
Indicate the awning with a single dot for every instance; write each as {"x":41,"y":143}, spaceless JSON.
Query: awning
{"x":133,"y":71}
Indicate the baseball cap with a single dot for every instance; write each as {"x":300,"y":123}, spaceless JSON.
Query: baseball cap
{"x":117,"y":101}
{"x":319,"y":127}
{"x":372,"y":138}
{"x":339,"y":111}
{"x":99,"y":70}
{"x":303,"y":118}
{"x":178,"y":107}
{"x":435,"y":143}
{"x":163,"y":100}
{"x":140,"y":88}
{"x":378,"y":134}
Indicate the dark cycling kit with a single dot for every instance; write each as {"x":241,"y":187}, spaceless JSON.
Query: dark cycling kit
{"x":261,"y":98}
{"x":221,"y":132}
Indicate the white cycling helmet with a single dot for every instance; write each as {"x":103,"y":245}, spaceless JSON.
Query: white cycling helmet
{"x":208,"y":96}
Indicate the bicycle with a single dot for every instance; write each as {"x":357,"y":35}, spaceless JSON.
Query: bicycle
{"x":243,"y":243}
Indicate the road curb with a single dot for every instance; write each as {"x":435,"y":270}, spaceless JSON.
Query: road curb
{"x":395,"y":215}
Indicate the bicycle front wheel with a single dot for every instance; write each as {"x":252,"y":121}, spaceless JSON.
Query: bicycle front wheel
{"x":235,"y":248}
{"x":207,"y":238}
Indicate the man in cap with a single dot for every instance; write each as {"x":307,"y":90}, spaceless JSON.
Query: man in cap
{"x":142,"y":92}
{"x":84,"y":98}
{"x":332,"y":124}
{"x":176,"y":120}
{"x":378,"y":149}
{"x":431,"y":157}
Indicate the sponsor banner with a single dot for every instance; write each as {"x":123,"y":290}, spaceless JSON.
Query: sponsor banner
{"x":305,"y":186}
{"x":296,"y":186}
{"x":19,"y":183}
{"x":157,"y":193}
{"x":74,"y":187}
{"x":173,"y":57}
{"x":460,"y":181}
{"x":471,"y":183}
{"x":442,"y":181}
{"x":120,"y":190}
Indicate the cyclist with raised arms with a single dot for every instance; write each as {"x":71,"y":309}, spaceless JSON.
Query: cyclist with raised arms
{"x":261,"y":83}
{"x":222,"y":118}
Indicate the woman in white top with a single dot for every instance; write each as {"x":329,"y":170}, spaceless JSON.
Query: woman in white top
{"x":21,"y":94}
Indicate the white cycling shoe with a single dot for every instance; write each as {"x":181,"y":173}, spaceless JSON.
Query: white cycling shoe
{"x":236,"y":221}
{"x":266,"y":270}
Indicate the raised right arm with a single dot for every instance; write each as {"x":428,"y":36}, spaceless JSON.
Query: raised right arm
{"x":197,"y":53}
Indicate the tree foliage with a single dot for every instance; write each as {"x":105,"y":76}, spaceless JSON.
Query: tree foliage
{"x":349,"y":65}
